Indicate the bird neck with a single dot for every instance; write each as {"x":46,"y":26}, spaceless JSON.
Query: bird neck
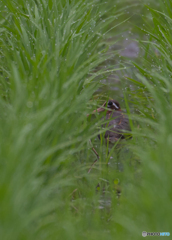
{"x":113,"y":110}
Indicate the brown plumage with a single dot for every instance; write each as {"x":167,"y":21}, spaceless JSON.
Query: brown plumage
{"x":118,"y":124}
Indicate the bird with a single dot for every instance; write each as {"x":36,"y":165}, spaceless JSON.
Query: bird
{"x":118,"y":126}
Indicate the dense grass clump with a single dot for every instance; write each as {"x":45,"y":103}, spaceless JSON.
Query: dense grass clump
{"x":52,"y":55}
{"x":49,"y":52}
{"x":151,"y":198}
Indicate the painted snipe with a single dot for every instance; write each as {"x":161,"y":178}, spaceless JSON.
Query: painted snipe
{"x":118,"y":126}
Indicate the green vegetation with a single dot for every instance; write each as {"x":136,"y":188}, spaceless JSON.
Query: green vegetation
{"x":53,"y":58}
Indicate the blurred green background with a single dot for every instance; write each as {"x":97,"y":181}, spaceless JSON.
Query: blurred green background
{"x":60,"y":60}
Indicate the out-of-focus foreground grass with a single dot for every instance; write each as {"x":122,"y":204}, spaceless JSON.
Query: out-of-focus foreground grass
{"x":49,"y":51}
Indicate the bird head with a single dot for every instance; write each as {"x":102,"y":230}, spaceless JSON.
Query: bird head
{"x":113,"y":105}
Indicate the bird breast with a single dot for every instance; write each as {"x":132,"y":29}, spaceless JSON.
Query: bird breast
{"x":117,"y":125}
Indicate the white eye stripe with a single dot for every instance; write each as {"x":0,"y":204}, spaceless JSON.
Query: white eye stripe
{"x":115,"y":105}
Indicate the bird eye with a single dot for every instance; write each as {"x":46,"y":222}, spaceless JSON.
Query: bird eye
{"x":110,"y":103}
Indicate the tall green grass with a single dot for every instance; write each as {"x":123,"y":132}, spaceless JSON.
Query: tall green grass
{"x":149,"y":204}
{"x":50,"y":53}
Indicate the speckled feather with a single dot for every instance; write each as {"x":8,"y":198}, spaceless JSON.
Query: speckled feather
{"x":118,"y":124}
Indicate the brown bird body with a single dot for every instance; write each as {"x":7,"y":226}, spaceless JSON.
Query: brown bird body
{"x":118,"y":124}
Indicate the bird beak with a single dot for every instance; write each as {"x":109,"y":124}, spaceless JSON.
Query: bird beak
{"x":101,"y":109}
